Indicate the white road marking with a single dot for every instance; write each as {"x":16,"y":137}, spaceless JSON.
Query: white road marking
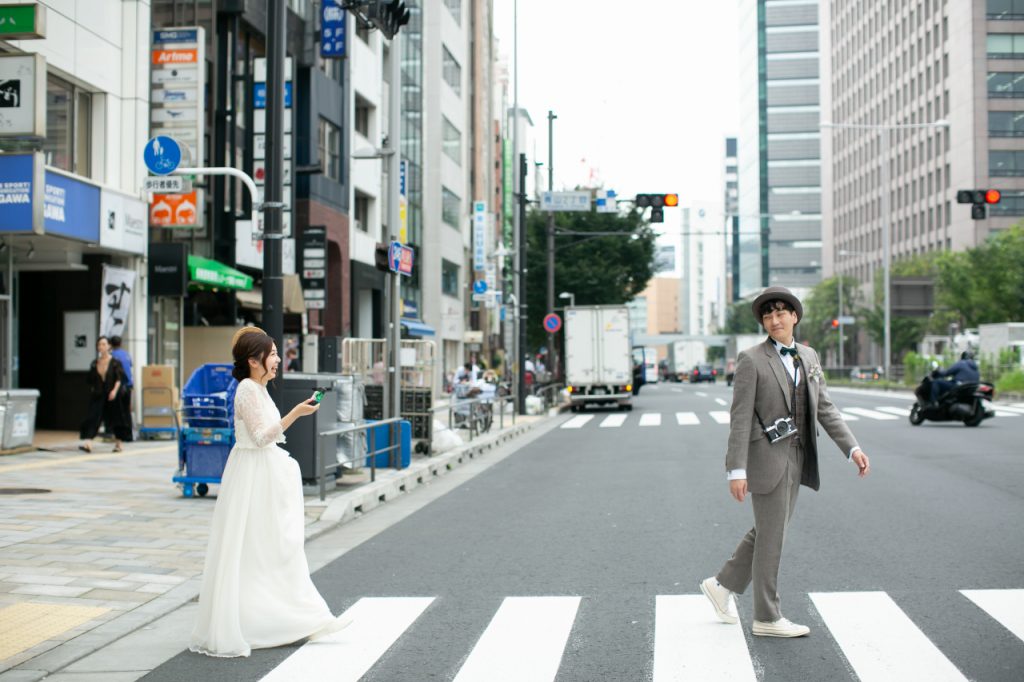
{"x":899,"y":411}
{"x":1008,"y":408}
{"x":1006,"y":606}
{"x":650,"y":419}
{"x":613,"y":421}
{"x":720,"y":401}
{"x":524,"y":641}
{"x":879,"y":640}
{"x":870,"y":414}
{"x":702,"y":395}
{"x":348,"y":654}
{"x":720,"y":416}
{"x":691,"y":644}
{"x":578,"y":421}
{"x":1000,"y":412}
{"x":687,"y":418}
{"x":849,"y":417}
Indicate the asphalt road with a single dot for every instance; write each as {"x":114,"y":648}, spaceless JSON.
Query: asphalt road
{"x":578,"y":558}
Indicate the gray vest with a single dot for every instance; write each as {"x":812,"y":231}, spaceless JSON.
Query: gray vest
{"x":802,"y":419}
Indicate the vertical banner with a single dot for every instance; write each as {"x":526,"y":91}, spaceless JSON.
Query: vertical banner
{"x":332,"y":29}
{"x":403,"y":202}
{"x":118,"y":284}
{"x":479,"y":235}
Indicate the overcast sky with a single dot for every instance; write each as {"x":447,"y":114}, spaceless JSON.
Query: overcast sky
{"x":645,"y":91}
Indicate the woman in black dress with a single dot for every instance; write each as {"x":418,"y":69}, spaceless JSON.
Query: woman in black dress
{"x":105,"y":378}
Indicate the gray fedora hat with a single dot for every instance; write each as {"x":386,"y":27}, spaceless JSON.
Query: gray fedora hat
{"x":776,"y":294}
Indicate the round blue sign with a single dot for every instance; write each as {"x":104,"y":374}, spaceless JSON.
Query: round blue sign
{"x":162,"y":155}
{"x":480,"y":286}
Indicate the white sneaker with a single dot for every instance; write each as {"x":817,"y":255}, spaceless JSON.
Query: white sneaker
{"x":721,"y":598}
{"x":780,"y":628}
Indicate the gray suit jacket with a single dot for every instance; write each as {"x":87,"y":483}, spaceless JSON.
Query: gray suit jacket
{"x":760,"y":381}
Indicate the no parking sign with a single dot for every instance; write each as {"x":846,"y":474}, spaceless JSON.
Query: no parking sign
{"x":552,"y":323}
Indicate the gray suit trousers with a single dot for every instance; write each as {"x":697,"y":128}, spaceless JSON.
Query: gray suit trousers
{"x":759,"y":553}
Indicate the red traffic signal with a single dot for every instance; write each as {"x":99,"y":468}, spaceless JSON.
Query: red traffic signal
{"x":671,"y":199}
{"x":835,"y":323}
{"x":992,"y":196}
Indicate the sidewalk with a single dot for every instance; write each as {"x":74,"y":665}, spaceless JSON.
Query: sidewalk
{"x":95,"y":546}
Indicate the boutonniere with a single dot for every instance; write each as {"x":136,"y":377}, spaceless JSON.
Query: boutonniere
{"x":814,"y":373}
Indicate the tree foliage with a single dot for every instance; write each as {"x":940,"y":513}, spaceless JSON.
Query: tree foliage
{"x":739,"y":320}
{"x":821,"y":306}
{"x":598,"y":270}
{"x":984,"y":284}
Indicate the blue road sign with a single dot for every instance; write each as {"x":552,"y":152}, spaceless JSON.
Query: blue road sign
{"x":552,"y":322}
{"x":162,"y":155}
{"x":480,"y":286}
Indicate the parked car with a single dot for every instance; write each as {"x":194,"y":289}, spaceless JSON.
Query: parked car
{"x":866,"y":374}
{"x":703,"y":373}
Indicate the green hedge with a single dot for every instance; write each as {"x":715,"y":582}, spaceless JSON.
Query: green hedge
{"x":1011,"y":382}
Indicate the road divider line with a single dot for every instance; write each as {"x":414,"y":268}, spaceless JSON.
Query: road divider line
{"x":870,"y":414}
{"x":720,"y":416}
{"x":687,"y":418}
{"x":578,"y":421}
{"x":690,"y":644}
{"x":650,"y":419}
{"x":613,"y":421}
{"x":349,"y":654}
{"x":1006,"y":606}
{"x":879,"y":639}
{"x":524,"y":641}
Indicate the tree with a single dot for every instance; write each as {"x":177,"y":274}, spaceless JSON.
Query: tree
{"x":598,"y":270}
{"x":739,"y":320}
{"x":821,"y":306}
{"x":986,"y":283}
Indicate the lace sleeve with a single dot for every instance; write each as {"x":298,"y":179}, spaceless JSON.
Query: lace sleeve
{"x":263,"y":424}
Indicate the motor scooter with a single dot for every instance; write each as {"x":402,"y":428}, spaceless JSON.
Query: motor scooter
{"x":968,"y":403}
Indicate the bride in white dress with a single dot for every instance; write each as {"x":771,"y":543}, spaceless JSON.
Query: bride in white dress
{"x":256,"y":590}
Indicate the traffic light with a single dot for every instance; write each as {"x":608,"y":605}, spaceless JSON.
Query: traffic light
{"x":382,"y":257}
{"x":388,"y":16}
{"x":835,"y":323}
{"x":978,"y":199}
{"x":657,"y":203}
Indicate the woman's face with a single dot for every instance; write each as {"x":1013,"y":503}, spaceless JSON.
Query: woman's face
{"x":102,"y":346}
{"x":270,"y":364}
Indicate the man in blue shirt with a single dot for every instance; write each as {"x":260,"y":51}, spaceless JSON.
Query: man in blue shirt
{"x":963,"y":371}
{"x":126,"y":361}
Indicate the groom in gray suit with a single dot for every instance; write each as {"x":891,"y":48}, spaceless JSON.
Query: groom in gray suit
{"x":778,"y":395}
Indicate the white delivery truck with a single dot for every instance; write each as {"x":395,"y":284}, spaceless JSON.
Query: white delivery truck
{"x":684,"y":356}
{"x":598,"y":359}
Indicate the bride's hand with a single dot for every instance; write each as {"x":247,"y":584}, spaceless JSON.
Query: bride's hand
{"x":306,"y":408}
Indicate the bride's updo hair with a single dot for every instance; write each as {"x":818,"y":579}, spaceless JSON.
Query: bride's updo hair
{"x":249,"y":342}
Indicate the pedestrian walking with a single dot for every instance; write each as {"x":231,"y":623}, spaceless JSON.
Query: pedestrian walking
{"x":778,"y":395}
{"x":256,"y":591}
{"x":125,"y":358}
{"x":106,"y":380}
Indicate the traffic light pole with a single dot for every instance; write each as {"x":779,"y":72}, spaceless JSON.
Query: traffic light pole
{"x":552,"y":356}
{"x":521,"y":294}
{"x":273,"y":285}
{"x":394,"y":301}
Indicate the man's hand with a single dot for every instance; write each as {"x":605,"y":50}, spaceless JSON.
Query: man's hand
{"x":861,"y":460}
{"x":738,"y":488}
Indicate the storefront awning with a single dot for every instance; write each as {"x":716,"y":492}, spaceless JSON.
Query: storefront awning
{"x":417,"y":327}
{"x":214,"y":274}
{"x":293,"y":301}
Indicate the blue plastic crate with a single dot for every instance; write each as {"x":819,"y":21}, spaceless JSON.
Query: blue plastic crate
{"x":380,"y":439}
{"x":208,"y":436}
{"x":206,"y":460}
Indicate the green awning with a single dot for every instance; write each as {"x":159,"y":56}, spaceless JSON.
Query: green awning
{"x":211,"y":273}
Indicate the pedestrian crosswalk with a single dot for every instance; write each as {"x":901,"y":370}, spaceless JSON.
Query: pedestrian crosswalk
{"x":851,"y":414}
{"x":527,"y":637}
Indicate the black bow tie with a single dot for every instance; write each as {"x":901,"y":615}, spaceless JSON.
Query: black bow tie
{"x":788,"y":351}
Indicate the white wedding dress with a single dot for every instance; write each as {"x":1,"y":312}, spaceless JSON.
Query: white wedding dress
{"x":256,"y":590}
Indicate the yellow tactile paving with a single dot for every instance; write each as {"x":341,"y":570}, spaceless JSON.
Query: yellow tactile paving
{"x":24,"y":625}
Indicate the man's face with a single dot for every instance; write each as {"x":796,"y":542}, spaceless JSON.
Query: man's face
{"x":779,"y":324}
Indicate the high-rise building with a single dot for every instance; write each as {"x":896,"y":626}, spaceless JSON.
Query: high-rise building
{"x":779,"y":155}
{"x":952,"y":64}
{"x":731,"y":204}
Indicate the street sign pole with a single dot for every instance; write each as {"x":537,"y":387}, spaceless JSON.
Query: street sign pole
{"x":552,"y":355}
{"x":394,"y":342}
{"x":273,"y":284}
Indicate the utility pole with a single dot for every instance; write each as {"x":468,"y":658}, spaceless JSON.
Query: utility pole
{"x":273,"y":284}
{"x":552,"y":356}
{"x":393,"y":279}
{"x":521,"y":294}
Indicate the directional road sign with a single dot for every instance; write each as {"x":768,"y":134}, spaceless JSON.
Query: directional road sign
{"x":552,"y":323}
{"x":162,"y":155}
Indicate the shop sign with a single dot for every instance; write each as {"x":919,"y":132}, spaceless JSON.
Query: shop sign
{"x":332,"y":29}
{"x":479,"y":236}
{"x":168,"y":268}
{"x":259,"y":129}
{"x":24,"y":21}
{"x":71,"y":208}
{"x":21,"y":205}
{"x":122,"y":222}
{"x":313,"y":245}
{"x":116,"y":299}
{"x":176,"y":210}
{"x":22,"y":95}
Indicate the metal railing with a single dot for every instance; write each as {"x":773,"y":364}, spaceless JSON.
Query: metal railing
{"x":549,"y":394}
{"x":477,"y":418}
{"x":395,"y":437}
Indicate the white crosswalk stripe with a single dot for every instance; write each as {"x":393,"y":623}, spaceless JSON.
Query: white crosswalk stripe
{"x":1003,"y":412}
{"x":898,"y":411}
{"x":689,"y":644}
{"x":650,"y":419}
{"x":613,"y":421}
{"x":720,"y":401}
{"x":701,"y":394}
{"x":687,"y":418}
{"x":1008,"y":408}
{"x":348,"y":654}
{"x":1006,"y":606}
{"x":849,"y":417}
{"x":879,"y":639}
{"x":720,"y":416}
{"x":578,"y":421}
{"x":524,"y":641}
{"x":870,"y":414}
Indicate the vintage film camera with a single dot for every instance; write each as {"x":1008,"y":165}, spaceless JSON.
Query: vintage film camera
{"x":782,"y":428}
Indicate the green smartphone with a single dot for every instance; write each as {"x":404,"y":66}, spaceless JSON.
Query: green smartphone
{"x":318,"y":395}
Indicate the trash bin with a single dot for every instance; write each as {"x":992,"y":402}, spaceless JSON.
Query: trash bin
{"x":19,"y":417}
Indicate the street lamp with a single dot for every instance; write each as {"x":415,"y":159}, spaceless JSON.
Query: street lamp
{"x":885,"y":142}
{"x":569,"y":295}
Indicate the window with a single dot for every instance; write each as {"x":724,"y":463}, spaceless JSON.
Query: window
{"x":1011,"y":204}
{"x":364,"y":113}
{"x":362,"y":211}
{"x":451,"y":206}
{"x":452,"y":141}
{"x":455,"y":7}
{"x":68,"y":127}
{"x":329,"y":144}
{"x":1006,"y":123}
{"x":451,"y":71}
{"x":1005,"y":46}
{"x":1004,"y":10}
{"x":449,"y":278}
{"x":1005,"y":84}
{"x":1006,"y":164}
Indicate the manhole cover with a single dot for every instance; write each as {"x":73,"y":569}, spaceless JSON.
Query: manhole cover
{"x":22,"y":491}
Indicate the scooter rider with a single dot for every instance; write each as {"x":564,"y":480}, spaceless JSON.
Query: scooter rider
{"x":963,"y":371}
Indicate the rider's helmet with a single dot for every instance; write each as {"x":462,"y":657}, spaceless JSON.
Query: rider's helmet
{"x":967,"y":355}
